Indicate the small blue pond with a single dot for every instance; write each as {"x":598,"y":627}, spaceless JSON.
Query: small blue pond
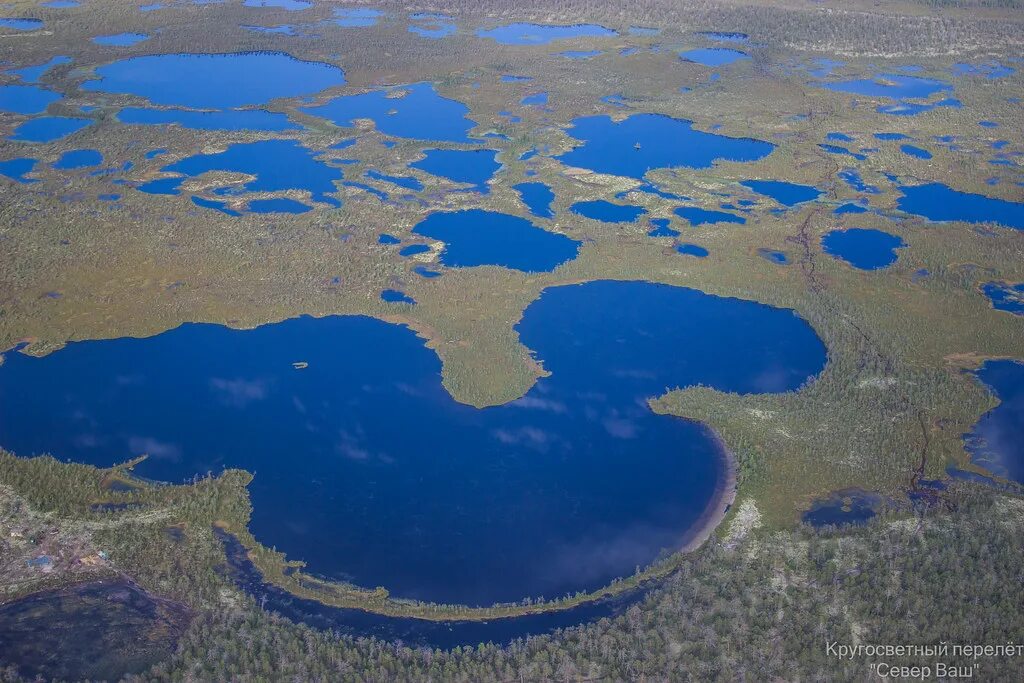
{"x":725,"y":36}
{"x":48,"y":128}
{"x":713,"y":56}
{"x":1005,"y":296}
{"x":475,"y":237}
{"x":997,"y":440}
{"x":21,"y":24}
{"x":247,"y":119}
{"x":414,"y":111}
{"x":645,"y":141}
{"x":367,"y":469}
{"x":607,"y":212}
{"x":32,"y":74}
{"x":78,"y":158}
{"x":278,"y":205}
{"x":396,"y":297}
{"x":692,"y":250}
{"x":475,"y":166}
{"x":915,"y":151}
{"x":277,"y":164}
{"x":538,"y":198}
{"x":15,"y":169}
{"x":849,"y":506}
{"x":289,"y":5}
{"x":536,"y":99}
{"x":661,"y":228}
{"x":542,"y":34}
{"x":579,"y":54}
{"x":774,"y":255}
{"x":893,"y":86}
{"x":785,"y":193}
{"x":121,"y":39}
{"x":26,"y":99}
{"x":696,"y":216}
{"x":863,"y":248}
{"x":938,"y":202}
{"x":407,"y":182}
{"x":357,"y":17}
{"x":215,"y":80}
{"x":432,"y":26}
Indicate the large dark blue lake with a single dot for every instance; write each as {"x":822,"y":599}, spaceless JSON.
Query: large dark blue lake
{"x":368,"y":469}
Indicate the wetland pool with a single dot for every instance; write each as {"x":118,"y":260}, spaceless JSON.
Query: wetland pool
{"x":367,"y":469}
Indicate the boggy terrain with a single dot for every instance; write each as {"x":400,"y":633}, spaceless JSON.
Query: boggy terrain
{"x":451,"y":171}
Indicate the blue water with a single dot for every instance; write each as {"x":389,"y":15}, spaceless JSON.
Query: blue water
{"x":476,"y":237}
{"x":357,"y":17}
{"x":914,"y":151}
{"x":419,"y":114}
{"x":997,"y":440}
{"x":692,"y":250}
{"x":366,"y":468}
{"x":773,"y":255}
{"x":607,"y":212}
{"x":863,"y":248}
{"x":915,"y":108}
{"x":512,"y":78}
{"x":20,"y":24}
{"x":938,"y":202}
{"x":15,"y":169}
{"x":32,"y":74}
{"x":890,"y":136}
{"x":411,"y":632}
{"x":893,"y":86}
{"x":697,"y":216}
{"x":726,"y":36}
{"x":385,"y":238}
{"x":785,"y":193}
{"x":643,"y":31}
{"x":537,"y":197}
{"x":475,"y":167}
{"x":246,"y":119}
{"x":61,"y":4}
{"x":289,"y":5}
{"x":713,"y":56}
{"x":396,"y":297}
{"x":542,"y":34}
{"x":26,"y":99}
{"x":1005,"y":296}
{"x":854,"y":180}
{"x":414,"y":249}
{"x":536,"y":99}
{"x":48,"y":128}
{"x":849,"y":506}
{"x":839,"y":149}
{"x":278,"y":205}
{"x":121,"y":39}
{"x":839,"y":137}
{"x":215,"y":205}
{"x":433,"y":26}
{"x":78,"y":158}
{"x":215,"y":81}
{"x":661,"y":228}
{"x":641,"y":142}
{"x":850,"y":208}
{"x":579,"y":54}
{"x":407,"y":182}
{"x":283,"y":29}
{"x":277,"y":164}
